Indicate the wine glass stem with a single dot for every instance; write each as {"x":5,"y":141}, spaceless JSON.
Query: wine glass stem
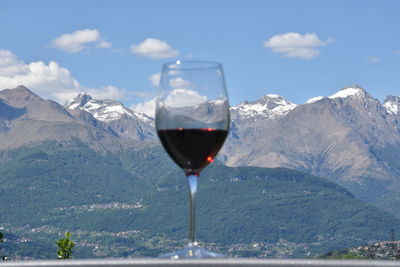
{"x":193,"y":180}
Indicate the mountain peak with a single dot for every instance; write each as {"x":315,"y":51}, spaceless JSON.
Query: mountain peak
{"x":269,"y":98}
{"x":267,"y":106}
{"x":392,"y":104}
{"x":23,"y":88}
{"x":103,"y":110}
{"x":19,"y":96}
{"x":391,"y":98}
{"x":20,"y":90}
{"x":349,"y":91}
{"x":79,"y":101}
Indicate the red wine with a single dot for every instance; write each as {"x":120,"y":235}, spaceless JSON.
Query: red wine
{"x":192,"y":149}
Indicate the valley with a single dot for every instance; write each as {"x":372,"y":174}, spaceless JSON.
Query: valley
{"x":291,"y":181}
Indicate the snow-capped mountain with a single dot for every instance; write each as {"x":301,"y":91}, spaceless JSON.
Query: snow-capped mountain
{"x":267,"y":107}
{"x":115,"y":117}
{"x":314,"y":99}
{"x":104,"y":110}
{"x":349,"y":137}
{"x":354,"y":90}
{"x":336,"y":136}
{"x":28,"y":119}
{"x":273,"y":106}
{"x":392,"y":104}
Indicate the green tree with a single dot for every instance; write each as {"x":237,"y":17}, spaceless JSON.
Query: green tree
{"x":3,"y":258}
{"x":65,"y":246}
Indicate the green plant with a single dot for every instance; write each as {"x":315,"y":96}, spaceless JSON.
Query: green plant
{"x":3,"y":258}
{"x":65,"y":246}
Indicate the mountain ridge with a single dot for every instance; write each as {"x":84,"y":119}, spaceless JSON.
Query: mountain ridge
{"x":334,"y":137}
{"x":27,"y":119}
{"x":330,"y":137}
{"x":104,"y":110}
{"x":346,"y":139}
{"x":268,"y":106}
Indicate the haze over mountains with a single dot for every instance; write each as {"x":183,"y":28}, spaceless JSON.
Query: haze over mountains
{"x":350,"y":138}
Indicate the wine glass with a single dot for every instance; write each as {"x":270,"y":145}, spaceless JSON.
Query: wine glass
{"x":192,"y":122}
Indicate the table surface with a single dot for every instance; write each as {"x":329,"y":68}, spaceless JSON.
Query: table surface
{"x":198,"y":262}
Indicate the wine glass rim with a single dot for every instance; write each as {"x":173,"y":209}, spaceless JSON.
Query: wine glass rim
{"x":192,"y":65}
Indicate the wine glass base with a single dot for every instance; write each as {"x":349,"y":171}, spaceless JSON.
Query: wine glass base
{"x":192,"y":252}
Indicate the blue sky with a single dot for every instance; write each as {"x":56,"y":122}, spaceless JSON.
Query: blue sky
{"x":298,"y":49}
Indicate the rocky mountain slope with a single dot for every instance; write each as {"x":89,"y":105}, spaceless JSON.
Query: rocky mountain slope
{"x":115,"y":117}
{"x":269,"y":106}
{"x":338,"y":137}
{"x":349,"y":137}
{"x":27,"y":119}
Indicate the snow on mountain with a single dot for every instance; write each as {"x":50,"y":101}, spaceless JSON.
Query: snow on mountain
{"x":104,"y":110}
{"x":79,"y":101}
{"x":352,"y":90}
{"x":349,"y":91}
{"x":392,"y":104}
{"x":269,"y":106}
{"x":314,"y":99}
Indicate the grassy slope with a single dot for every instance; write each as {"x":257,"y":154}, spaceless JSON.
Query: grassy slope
{"x":236,"y":205}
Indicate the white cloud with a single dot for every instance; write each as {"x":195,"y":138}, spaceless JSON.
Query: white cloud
{"x":106,"y":92}
{"x":179,"y":98}
{"x":154,"y":48}
{"x":373,"y":59}
{"x":294,"y":44}
{"x":76,"y":41}
{"x":155,"y":79}
{"x":104,"y":44}
{"x":179,"y":83}
{"x":148,"y":107}
{"x":10,"y":65}
{"x":50,"y":81}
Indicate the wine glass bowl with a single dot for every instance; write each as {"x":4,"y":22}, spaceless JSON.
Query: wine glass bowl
{"x":192,"y":122}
